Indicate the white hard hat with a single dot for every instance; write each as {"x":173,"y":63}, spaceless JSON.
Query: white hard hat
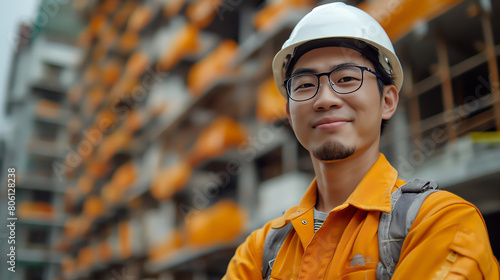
{"x":338,"y":20}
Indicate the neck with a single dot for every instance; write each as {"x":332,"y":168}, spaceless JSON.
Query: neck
{"x":338,"y":179}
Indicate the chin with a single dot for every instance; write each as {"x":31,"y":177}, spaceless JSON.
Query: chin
{"x":332,"y":151}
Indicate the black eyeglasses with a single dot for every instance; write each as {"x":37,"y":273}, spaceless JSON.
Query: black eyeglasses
{"x":343,"y":80}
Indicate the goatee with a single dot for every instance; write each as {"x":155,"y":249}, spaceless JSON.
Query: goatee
{"x":333,"y":151}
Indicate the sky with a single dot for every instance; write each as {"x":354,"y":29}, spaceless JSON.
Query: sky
{"x":12,"y":14}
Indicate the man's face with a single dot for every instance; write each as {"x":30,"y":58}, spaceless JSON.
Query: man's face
{"x":334,"y":126}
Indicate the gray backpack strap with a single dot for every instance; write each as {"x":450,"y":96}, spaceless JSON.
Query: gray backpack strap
{"x":394,"y":226}
{"x":272,"y":245}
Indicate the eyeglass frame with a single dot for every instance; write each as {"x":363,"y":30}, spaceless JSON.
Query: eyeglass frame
{"x":319,"y":75}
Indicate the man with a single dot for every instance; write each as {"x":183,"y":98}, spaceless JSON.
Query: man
{"x":341,"y":77}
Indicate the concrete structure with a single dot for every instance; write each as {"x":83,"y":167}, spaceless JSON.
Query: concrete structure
{"x":37,"y":113}
{"x":172,"y":119}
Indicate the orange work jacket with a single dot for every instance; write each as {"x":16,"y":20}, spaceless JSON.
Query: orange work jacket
{"x":448,"y":239}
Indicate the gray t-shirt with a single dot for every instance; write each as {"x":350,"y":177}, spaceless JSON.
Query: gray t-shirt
{"x":319,"y":219}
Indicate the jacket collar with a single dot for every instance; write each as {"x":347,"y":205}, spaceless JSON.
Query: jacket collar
{"x":374,"y":191}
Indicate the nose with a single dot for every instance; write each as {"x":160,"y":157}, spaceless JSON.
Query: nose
{"x":326,"y":98}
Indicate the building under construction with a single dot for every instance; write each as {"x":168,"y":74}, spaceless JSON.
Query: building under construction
{"x":149,"y":138}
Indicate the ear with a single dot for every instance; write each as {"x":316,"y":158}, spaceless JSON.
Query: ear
{"x":389,"y":101}
{"x":287,"y":105}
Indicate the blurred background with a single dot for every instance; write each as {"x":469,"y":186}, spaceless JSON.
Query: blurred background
{"x":148,"y":138}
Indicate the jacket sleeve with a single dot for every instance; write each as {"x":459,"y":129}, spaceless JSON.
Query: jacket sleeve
{"x":448,"y":240}
{"x":247,"y":261}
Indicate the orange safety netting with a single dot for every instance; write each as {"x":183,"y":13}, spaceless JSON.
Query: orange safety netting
{"x":98,"y":54}
{"x":123,"y":14}
{"x":86,"y":36}
{"x":93,"y":207}
{"x":105,"y":120}
{"x":76,"y":226}
{"x":111,"y":72}
{"x":105,"y":251}
{"x":125,"y":237}
{"x":94,"y":98}
{"x":270,"y":103}
{"x":221,"y":223}
{"x":134,"y":121}
{"x":85,"y":258}
{"x":107,"y":36}
{"x":96,"y":23}
{"x":213,"y":67}
{"x":400,"y":17}
{"x":123,"y":177}
{"x":202,"y":12}
{"x":97,"y":168}
{"x":141,"y":16}
{"x":35,"y":210}
{"x":128,"y":41}
{"x":170,"y":179}
{"x":109,"y":6}
{"x":269,"y":17}
{"x":91,"y":74}
{"x":85,"y":184}
{"x":122,"y":88}
{"x":48,"y":109}
{"x":113,"y":143}
{"x":186,"y":42}
{"x":137,"y":64}
{"x":173,"y":7}
{"x":110,"y":194}
{"x":214,"y":140}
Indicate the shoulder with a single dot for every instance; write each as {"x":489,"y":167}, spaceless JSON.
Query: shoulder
{"x":448,"y":215}
{"x":446,"y":203}
{"x":444,"y":196}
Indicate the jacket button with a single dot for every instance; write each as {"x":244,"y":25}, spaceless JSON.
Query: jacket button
{"x":304,"y":222}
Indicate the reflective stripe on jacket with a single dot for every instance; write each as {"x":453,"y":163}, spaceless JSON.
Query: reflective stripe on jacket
{"x":448,"y":239}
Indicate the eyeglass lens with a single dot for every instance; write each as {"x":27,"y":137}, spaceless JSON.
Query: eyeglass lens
{"x":343,"y":80}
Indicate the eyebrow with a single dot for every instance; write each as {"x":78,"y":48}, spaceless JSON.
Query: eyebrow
{"x":304,"y":70}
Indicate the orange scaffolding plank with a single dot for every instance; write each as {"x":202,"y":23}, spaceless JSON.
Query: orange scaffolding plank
{"x":398,"y":17}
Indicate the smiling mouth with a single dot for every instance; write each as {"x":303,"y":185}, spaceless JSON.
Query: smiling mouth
{"x":330,"y":123}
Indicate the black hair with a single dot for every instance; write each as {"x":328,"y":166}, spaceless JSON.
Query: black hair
{"x":366,"y":50}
